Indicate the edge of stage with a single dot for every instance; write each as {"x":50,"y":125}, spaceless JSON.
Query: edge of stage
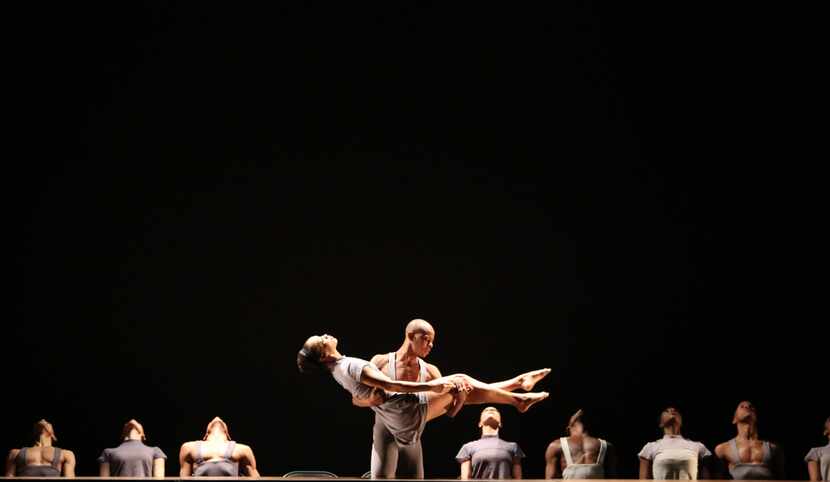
{"x":321,"y":479}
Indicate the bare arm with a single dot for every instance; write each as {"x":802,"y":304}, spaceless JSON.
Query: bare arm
{"x":377,"y":398}
{"x":247,"y":460}
{"x":812,"y":469}
{"x":68,"y":463}
{"x":375,"y":378}
{"x":104,"y":469}
{"x":186,"y":468}
{"x":158,"y":467}
{"x":552,"y":460}
{"x":433,"y":373}
{"x":465,"y":470}
{"x":10,"y":465}
{"x":517,"y":468}
{"x":645,"y":468}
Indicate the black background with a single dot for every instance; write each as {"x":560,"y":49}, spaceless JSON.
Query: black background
{"x":605,"y":189}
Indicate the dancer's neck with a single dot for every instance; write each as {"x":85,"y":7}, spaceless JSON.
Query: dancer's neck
{"x":747,"y":431}
{"x":44,"y":441}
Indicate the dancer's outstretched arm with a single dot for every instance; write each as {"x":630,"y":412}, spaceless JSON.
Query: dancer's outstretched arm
{"x":375,"y":378}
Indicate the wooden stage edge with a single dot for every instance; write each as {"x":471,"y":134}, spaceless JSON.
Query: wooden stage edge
{"x":321,"y":479}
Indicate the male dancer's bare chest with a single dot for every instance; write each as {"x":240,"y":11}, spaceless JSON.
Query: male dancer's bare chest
{"x":406,"y":371}
{"x":585,"y":451}
{"x":750,"y":451}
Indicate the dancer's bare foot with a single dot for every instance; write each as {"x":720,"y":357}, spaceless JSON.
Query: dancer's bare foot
{"x":528,"y":380}
{"x":527,"y":400}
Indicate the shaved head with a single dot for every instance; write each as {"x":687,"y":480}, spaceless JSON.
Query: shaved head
{"x":419,"y":337}
{"x":419,"y":326}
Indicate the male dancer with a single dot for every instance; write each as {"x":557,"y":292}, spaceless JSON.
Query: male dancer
{"x":388,"y":455}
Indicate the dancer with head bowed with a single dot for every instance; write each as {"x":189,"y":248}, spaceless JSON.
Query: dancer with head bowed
{"x":674,"y":457}
{"x":132,"y":458}
{"x":42,"y":458}
{"x":579,"y":455}
{"x":216,"y":455}
{"x":818,"y":459}
{"x":747,"y":457}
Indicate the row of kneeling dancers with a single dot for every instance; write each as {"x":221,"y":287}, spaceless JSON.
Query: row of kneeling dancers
{"x":405,"y":393}
{"x":577,"y":455}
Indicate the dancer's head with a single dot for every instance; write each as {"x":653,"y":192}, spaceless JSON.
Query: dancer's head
{"x":42,"y":427}
{"x":315,"y":352}
{"x":217,"y":426}
{"x":133,"y":430}
{"x":490,"y":417}
{"x":671,"y":417}
{"x":745,"y":413}
{"x":577,"y":425}
{"x":420,"y":336}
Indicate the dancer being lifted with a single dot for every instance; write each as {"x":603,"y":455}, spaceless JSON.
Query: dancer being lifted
{"x":407,"y":406}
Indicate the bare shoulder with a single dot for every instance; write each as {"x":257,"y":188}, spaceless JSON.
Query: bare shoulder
{"x":555,"y":446}
{"x":186,"y":447}
{"x":67,"y":454}
{"x":720,"y":449}
{"x":13,"y":454}
{"x":244,"y":447}
{"x":433,"y":371}
{"x":379,"y":360}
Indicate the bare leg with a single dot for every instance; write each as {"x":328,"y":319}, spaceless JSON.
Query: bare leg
{"x":525,"y":381}
{"x":439,"y":404}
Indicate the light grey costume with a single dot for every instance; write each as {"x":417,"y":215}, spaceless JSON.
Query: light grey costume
{"x":674,"y":458}
{"x":747,"y":471}
{"x":399,"y":421}
{"x":822,"y":456}
{"x":490,"y":457}
{"x":584,"y":471}
{"x":131,"y":459}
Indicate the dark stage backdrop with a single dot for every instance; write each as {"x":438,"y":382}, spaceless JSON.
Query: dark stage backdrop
{"x":576,"y":187}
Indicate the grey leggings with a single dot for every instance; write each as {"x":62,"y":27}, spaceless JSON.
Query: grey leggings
{"x":388,"y":455}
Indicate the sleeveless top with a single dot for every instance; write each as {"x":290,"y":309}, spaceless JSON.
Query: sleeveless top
{"x":225,"y":467}
{"x":583,"y":471}
{"x":750,"y":471}
{"x":51,"y":470}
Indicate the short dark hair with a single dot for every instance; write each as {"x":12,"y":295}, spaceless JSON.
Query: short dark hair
{"x":308,"y":361}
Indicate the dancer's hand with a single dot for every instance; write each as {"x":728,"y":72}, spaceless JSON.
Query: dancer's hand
{"x":462,"y":384}
{"x":439,"y":386}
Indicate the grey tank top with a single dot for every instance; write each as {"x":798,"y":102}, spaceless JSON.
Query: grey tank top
{"x":403,"y":414}
{"x":225,"y":467}
{"x":392,"y":364}
{"x":583,"y":471}
{"x":748,"y":471}
{"x":51,"y":470}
